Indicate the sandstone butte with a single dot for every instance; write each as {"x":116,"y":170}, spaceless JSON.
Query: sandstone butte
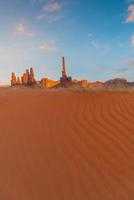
{"x":66,"y":144}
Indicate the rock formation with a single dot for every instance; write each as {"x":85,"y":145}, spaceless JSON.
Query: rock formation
{"x":28,"y":79}
{"x":47,"y":83}
{"x":116,"y":83}
{"x":64,"y":77}
{"x":31,"y":80}
{"x":84,"y":83}
{"x":43,"y":83}
{"x":13,"y":79}
{"x":18,"y":81}
{"x":96,"y":85}
{"x":25,"y":78}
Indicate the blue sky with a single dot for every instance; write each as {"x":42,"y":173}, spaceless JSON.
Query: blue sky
{"x":95,"y":36}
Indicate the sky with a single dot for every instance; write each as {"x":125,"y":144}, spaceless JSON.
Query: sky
{"x":95,"y":36}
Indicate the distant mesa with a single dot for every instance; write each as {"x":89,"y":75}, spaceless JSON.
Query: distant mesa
{"x":28,"y":80}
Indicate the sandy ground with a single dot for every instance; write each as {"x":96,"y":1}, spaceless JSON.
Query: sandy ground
{"x":66,"y":145}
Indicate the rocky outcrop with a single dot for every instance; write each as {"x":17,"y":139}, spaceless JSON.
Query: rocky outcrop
{"x":31,"y":80}
{"x":117,"y":83}
{"x":96,"y":85}
{"x":47,"y":83}
{"x":25,"y":78}
{"x":28,"y":79}
{"x":13,"y":79}
{"x":18,"y":81}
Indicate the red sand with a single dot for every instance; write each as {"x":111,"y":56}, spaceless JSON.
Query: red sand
{"x":66,"y":145}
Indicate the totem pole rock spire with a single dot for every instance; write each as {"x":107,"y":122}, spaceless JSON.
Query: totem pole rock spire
{"x":64,"y":76}
{"x":64,"y":79}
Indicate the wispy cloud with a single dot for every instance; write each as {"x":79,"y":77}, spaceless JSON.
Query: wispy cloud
{"x":52,"y":7}
{"x":50,"y":18}
{"x":128,"y":65}
{"x":130,"y":17}
{"x":122,"y":70}
{"x":48,"y":46}
{"x":21,"y":29}
{"x":51,"y":12}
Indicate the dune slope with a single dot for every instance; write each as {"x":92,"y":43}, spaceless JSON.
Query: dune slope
{"x":66,"y":145}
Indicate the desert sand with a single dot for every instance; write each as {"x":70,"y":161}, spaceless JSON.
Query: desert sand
{"x":66,"y":145}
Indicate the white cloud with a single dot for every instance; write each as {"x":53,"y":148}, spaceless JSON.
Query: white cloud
{"x":130,"y":17}
{"x":48,"y":47}
{"x":21,"y":29}
{"x":51,"y":7}
{"x":52,"y":12}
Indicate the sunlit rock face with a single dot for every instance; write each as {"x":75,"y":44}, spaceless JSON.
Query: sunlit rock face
{"x":28,"y":78}
{"x":13,"y":79}
{"x":31,"y":80}
{"x":25,"y":78}
{"x":96,"y":85}
{"x":47,"y":83}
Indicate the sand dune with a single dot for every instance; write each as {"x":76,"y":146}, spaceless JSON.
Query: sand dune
{"x":66,"y":145}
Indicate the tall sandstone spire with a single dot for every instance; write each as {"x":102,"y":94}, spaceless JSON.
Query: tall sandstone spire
{"x":25,"y":77}
{"x":31,"y":77}
{"x":64,"y":76}
{"x":13,"y":79}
